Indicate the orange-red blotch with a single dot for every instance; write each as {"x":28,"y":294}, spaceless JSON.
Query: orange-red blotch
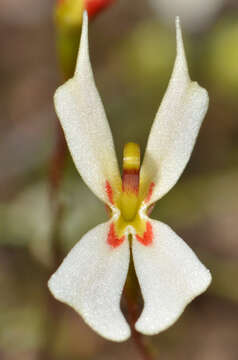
{"x":150,"y":192}
{"x":109,"y":192}
{"x":94,"y":6}
{"x":147,"y":237}
{"x":130,"y":181}
{"x":112,"y":238}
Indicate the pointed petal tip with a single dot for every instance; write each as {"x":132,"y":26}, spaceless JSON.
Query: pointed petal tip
{"x":179,"y":37}
{"x":80,"y":110}
{"x":85,"y":18}
{"x":83,"y":53}
{"x":84,"y":32}
{"x":181,"y":62}
{"x":177,"y":21}
{"x":178,"y":25}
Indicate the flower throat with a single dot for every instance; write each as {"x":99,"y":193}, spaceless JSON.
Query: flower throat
{"x":129,"y":201}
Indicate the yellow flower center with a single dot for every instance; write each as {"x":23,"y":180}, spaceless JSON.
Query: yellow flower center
{"x":129,"y":199}
{"x":129,"y":206}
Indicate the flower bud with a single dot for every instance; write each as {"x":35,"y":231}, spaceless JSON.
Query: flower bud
{"x":68,"y":13}
{"x":95,"y":6}
{"x":68,"y":16}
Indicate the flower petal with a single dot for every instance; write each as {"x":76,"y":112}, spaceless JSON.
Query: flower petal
{"x":91,"y":280}
{"x":175,"y":128}
{"x":170,"y":276}
{"x":82,"y":116}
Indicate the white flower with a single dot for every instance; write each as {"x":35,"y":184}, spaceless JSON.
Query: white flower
{"x":92,"y":276}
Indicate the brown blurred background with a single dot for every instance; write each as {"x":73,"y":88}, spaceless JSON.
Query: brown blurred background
{"x":132,"y":50}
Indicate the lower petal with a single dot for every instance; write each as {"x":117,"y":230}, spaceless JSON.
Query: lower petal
{"x":91,"y":280}
{"x":170,"y":276}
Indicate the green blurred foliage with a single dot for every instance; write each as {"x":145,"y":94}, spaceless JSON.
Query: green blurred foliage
{"x":68,"y":21}
{"x":148,"y":54}
{"x":67,"y":43}
{"x":220,"y":62}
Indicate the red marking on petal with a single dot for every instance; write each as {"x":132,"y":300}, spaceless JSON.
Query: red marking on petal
{"x":150,"y":209}
{"x":112,"y":238}
{"x":150,"y":192}
{"x":109,"y":192}
{"x":147,"y":237}
{"x":130,"y":181}
{"x":108,"y":210}
{"x":94,"y":6}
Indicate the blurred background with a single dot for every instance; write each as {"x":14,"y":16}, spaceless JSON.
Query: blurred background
{"x":44,"y":206}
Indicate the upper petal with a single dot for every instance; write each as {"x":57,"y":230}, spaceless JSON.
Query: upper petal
{"x":91,"y":280}
{"x":82,"y":116}
{"x":170,"y":276}
{"x":175,"y":128}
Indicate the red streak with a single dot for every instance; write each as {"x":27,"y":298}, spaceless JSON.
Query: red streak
{"x":94,"y":6}
{"x":109,"y":192}
{"x":112,"y":238}
{"x":150,"y":192}
{"x":130,"y":181}
{"x":147,"y":236}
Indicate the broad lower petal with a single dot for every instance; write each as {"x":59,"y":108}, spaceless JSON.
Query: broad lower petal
{"x":174,"y":130}
{"x":91,"y":280}
{"x":170,"y":276}
{"x":82,"y":116}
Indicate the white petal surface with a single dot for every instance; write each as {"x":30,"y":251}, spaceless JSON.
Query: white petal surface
{"x":82,"y":116}
{"x":91,"y":280}
{"x":175,"y":127}
{"x":170,"y":276}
